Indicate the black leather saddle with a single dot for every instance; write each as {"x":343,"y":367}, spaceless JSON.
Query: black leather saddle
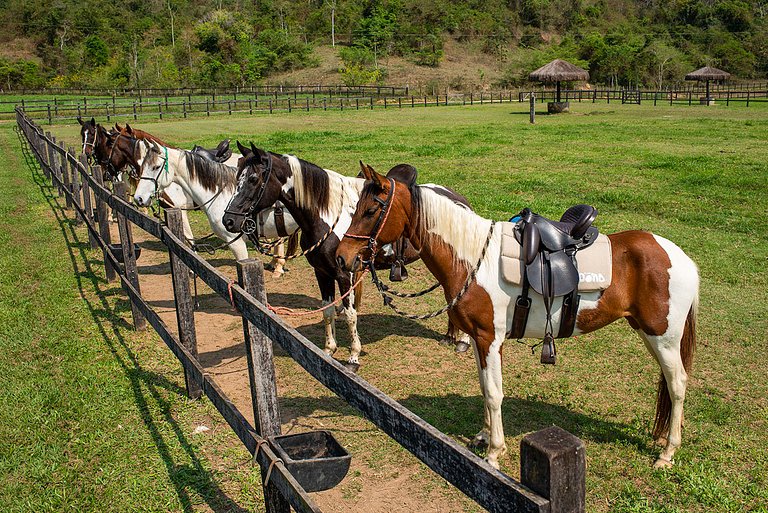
{"x":220,"y":153}
{"x":549,"y":253}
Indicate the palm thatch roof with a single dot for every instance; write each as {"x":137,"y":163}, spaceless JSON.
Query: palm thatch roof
{"x":707,"y":73}
{"x":559,"y":70}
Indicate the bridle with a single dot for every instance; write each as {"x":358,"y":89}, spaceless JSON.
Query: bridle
{"x":108,"y":163}
{"x":386,"y":207}
{"x":92,"y":155}
{"x":154,"y":179}
{"x":250,"y":226}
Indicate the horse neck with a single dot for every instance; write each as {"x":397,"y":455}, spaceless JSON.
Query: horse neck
{"x":449,"y":249}
{"x":308,"y":216}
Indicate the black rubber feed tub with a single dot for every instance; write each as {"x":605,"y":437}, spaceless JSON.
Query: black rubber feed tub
{"x":315,"y":459}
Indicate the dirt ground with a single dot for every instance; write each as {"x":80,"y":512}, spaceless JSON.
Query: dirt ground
{"x":382,"y":476}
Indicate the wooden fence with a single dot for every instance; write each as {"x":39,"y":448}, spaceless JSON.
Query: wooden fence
{"x":547,"y":484}
{"x":686,"y":96}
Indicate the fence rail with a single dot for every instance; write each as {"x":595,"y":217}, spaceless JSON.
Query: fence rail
{"x":489,"y":487}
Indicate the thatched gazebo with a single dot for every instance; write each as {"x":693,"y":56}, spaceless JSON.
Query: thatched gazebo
{"x":559,"y":71}
{"x":706,"y":74}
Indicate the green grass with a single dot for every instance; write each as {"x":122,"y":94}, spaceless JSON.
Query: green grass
{"x":695,"y":175}
{"x":94,"y":417}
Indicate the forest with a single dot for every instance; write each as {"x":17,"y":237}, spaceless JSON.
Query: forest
{"x":173,"y":43}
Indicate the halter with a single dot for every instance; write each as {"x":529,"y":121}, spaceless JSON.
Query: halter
{"x":111,"y":166}
{"x":386,"y":206}
{"x":153,"y":179}
{"x":249,"y":224}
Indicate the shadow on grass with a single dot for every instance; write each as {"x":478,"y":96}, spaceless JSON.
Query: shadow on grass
{"x":146,"y":385}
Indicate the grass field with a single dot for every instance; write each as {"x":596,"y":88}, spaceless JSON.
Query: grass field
{"x":694,"y":175}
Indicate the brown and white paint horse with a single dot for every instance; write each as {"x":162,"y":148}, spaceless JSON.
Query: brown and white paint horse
{"x":655,"y":287}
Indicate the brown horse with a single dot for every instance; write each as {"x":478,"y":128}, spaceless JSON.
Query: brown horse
{"x":654,"y":286}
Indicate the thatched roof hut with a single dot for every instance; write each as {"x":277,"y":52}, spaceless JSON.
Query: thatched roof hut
{"x":706,"y":74}
{"x":559,"y":71}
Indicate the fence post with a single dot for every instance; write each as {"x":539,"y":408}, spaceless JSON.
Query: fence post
{"x":727,"y":98}
{"x":129,"y":255}
{"x":261,"y":372}
{"x":532,"y":100}
{"x":74,"y":187}
{"x":185,"y":307}
{"x":88,"y":204}
{"x":553,"y":464}
{"x":47,"y":156}
{"x":101,"y":216}
{"x":57,"y":167}
{"x":184,"y":108}
{"x":747,"y":98}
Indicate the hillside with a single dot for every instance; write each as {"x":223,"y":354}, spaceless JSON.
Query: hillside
{"x":463,"y":44}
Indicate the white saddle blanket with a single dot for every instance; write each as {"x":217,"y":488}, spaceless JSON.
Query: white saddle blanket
{"x":595,"y":263}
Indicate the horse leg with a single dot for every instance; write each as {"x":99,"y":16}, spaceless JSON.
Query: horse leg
{"x":482,"y":438}
{"x":239,"y":249}
{"x":328,"y":292}
{"x":494,"y":395}
{"x":278,"y":262}
{"x":350,"y":315}
{"x":187,"y":227}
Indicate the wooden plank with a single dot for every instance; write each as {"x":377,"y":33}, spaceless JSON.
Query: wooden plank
{"x":185,"y":307}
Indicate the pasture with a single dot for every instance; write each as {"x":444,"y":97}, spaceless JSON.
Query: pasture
{"x":693,"y":175}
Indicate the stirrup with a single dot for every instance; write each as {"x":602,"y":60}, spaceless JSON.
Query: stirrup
{"x":398,"y":272}
{"x":548,"y":351}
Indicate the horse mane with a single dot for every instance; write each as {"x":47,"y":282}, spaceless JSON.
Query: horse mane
{"x":320,"y":190}
{"x":211,"y":175}
{"x":437,"y":215}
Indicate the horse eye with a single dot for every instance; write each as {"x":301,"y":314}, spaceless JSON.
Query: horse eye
{"x":371,"y":211}
{"x":253,"y":179}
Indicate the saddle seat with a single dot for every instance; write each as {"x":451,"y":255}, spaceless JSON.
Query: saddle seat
{"x":574,"y":230}
{"x":220,"y":153}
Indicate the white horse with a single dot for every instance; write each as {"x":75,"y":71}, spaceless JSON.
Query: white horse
{"x":209,"y":184}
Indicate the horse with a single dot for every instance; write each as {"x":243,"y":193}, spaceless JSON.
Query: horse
{"x":99,"y":145}
{"x":321,"y":201}
{"x":210,"y":184}
{"x":654,"y":286}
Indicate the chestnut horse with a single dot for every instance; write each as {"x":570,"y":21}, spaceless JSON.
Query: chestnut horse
{"x":654,"y":286}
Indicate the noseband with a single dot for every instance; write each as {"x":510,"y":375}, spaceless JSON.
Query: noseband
{"x":386,"y":207}
{"x":250,"y":225}
{"x":153,"y":179}
{"x":92,"y":144}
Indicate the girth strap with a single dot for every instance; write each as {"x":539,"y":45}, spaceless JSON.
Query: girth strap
{"x":280,"y":220}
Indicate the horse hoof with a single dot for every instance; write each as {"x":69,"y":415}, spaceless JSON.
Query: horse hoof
{"x":478,"y":444}
{"x":277,"y":274}
{"x":446,"y":341}
{"x":461,"y":347}
{"x":351,"y":367}
{"x":662,"y":463}
{"x":493,"y":462}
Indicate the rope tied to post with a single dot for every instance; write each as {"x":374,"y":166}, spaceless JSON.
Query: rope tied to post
{"x":290,"y":312}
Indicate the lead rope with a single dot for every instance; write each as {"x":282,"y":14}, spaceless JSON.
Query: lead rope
{"x":289,"y":312}
{"x":470,"y":278}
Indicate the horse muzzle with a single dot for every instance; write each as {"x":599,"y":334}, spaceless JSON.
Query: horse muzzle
{"x":233,"y":222}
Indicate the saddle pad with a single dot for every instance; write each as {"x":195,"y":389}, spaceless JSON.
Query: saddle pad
{"x":595,"y":263}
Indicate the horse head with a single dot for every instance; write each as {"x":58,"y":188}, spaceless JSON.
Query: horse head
{"x":87,"y":135}
{"x":258,"y":187}
{"x":381,"y":215}
{"x":154,"y":173}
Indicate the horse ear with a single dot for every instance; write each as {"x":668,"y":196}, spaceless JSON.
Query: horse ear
{"x":93,"y":121}
{"x":366,"y":170}
{"x":128,"y":129}
{"x":242,"y":149}
{"x":118,"y":127}
{"x":258,"y":153}
{"x":80,"y":120}
{"x":378,"y":179}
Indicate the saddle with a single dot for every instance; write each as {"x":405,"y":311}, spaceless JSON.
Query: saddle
{"x":220,"y":153}
{"x":549,"y":256}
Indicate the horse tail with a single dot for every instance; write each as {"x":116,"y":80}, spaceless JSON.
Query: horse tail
{"x":293,"y":243}
{"x":687,"y":349}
